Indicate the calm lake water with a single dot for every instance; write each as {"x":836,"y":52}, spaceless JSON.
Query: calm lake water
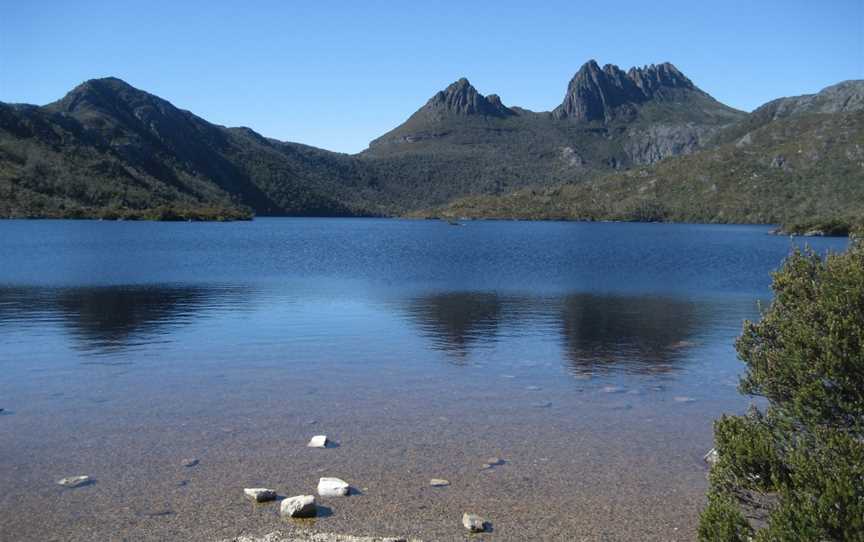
{"x":590,"y":358}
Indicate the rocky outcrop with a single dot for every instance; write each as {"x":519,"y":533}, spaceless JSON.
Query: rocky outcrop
{"x":840,"y":98}
{"x":608,"y":93}
{"x":462,"y":98}
{"x":656,"y":142}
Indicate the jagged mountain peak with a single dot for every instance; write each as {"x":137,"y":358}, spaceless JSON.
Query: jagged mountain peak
{"x":461,"y":98}
{"x":602,"y":94}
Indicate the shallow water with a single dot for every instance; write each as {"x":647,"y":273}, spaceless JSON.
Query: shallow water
{"x":591,"y":358}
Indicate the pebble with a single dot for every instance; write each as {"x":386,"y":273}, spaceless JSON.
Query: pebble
{"x":333,"y":487}
{"x":193,"y":462}
{"x":438,"y":482}
{"x":74,"y":481}
{"x":318,"y":441}
{"x":260,"y":494}
{"x":495,"y":461}
{"x":473,"y":523}
{"x":301,"y":506}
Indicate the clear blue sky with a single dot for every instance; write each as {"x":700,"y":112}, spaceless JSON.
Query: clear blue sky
{"x":338,"y":74}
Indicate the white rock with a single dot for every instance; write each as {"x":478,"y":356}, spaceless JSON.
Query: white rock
{"x":438,"y":482}
{"x":712,"y":457}
{"x":301,"y":506}
{"x":260,"y":494}
{"x":318,"y":441}
{"x":74,"y":481}
{"x":473,"y":522}
{"x":333,"y":487}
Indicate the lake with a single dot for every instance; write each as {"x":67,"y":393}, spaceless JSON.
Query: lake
{"x":591,"y":358}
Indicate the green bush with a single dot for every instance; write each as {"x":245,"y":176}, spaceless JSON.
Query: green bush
{"x":722,"y":520}
{"x":806,"y":357}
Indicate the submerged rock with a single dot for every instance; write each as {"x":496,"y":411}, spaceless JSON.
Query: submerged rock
{"x":74,"y":481}
{"x":191,"y":462}
{"x":301,"y":506}
{"x":333,"y":487}
{"x":318,"y":441}
{"x":260,"y":494}
{"x":473,"y":522}
{"x":438,"y":482}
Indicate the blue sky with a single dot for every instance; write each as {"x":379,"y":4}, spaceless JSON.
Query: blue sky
{"x":338,"y":74}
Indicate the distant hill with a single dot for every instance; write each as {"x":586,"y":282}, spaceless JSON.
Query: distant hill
{"x":107,"y":148}
{"x":793,"y":159}
{"x":642,"y":144}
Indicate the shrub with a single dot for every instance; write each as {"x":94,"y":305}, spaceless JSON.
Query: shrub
{"x":806,"y":357}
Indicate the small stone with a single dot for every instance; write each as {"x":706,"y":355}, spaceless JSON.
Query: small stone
{"x":473,"y":522}
{"x":301,"y":506}
{"x":495,"y":461}
{"x":318,"y":441}
{"x":192,"y":462}
{"x":260,"y":494}
{"x":74,"y":481}
{"x":394,"y":539}
{"x":712,"y":457}
{"x":438,"y":482}
{"x":333,"y":487}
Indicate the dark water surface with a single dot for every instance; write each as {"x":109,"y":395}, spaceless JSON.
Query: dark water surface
{"x":591,"y":358}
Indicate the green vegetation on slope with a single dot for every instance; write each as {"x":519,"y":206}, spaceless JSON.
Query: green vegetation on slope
{"x":806,"y":167}
{"x":799,"y":467}
{"x":108,"y":147}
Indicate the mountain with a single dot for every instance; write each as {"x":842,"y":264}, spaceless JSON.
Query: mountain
{"x":109,"y":148}
{"x":793,"y":159}
{"x":645,"y":143}
{"x":462,"y":142}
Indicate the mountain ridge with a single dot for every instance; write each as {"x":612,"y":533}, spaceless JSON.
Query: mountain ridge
{"x":107,"y":147}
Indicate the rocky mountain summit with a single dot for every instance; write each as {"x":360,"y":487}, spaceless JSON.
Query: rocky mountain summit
{"x":463,"y":99}
{"x":608,"y":93}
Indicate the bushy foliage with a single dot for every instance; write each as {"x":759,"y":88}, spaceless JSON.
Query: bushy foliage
{"x":722,"y":520}
{"x":806,"y":357}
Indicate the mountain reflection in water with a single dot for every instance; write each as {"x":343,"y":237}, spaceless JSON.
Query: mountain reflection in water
{"x":640,"y":334}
